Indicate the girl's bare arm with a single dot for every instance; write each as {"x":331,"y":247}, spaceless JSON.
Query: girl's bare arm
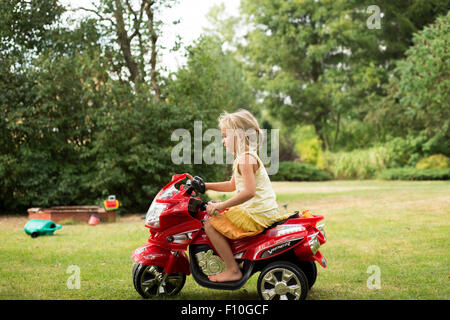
{"x":226,"y":186}
{"x":249,"y":190}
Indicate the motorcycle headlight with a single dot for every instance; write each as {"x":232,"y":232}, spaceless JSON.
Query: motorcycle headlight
{"x":153,"y":213}
{"x":168,"y":193}
{"x":155,"y":210}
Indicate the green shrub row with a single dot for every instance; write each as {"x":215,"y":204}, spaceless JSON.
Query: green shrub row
{"x":298,"y":171}
{"x":397,"y":153}
{"x":415,"y":174}
{"x":357,"y":164}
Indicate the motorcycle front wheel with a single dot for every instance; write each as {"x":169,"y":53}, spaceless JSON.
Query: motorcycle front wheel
{"x":152,"y":281}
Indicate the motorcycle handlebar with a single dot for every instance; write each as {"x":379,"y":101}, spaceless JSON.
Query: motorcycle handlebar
{"x":203,"y":206}
{"x":198,"y":184}
{"x":195,"y":184}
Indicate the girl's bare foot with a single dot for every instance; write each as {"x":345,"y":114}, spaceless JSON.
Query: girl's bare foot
{"x":226,"y":275}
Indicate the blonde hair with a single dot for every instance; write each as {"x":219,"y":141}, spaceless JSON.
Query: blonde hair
{"x":246,"y":128}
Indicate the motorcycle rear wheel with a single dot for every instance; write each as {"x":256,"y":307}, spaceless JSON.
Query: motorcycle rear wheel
{"x":282,"y":280}
{"x":149,"y":281}
{"x":310,"y":270}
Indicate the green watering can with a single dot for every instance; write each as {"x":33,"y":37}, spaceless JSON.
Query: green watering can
{"x":36,"y":227}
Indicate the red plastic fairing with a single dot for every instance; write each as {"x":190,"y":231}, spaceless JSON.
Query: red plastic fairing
{"x":150,"y":254}
{"x":277,"y":244}
{"x":320,"y":259}
{"x":175,"y":179}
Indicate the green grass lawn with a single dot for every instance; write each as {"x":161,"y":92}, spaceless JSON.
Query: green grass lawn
{"x":401,"y":227}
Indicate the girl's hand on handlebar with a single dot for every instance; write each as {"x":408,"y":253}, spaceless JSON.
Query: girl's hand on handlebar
{"x":189,"y":176}
{"x":212,"y":207}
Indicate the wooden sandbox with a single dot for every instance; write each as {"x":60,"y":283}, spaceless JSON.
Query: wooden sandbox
{"x":76,"y":213}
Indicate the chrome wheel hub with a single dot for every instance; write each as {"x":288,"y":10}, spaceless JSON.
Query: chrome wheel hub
{"x":281,"y":284}
{"x":154,"y":281}
{"x":281,"y":289}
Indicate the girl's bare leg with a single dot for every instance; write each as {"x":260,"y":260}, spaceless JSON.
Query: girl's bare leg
{"x":220,"y":243}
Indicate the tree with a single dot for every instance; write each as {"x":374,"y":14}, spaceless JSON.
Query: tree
{"x":24,"y":29}
{"x":417,"y":100}
{"x":317,"y":62}
{"x":48,"y":84}
{"x":211,"y":82}
{"x":131,"y":31}
{"x":424,"y":86}
{"x":298,"y":49}
{"x":73,"y":132}
{"x":212,"y":79}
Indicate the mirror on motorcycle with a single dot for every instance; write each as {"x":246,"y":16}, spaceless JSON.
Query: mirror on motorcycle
{"x":188,"y":186}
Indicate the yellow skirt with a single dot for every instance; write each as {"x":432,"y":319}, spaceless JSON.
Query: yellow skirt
{"x":235,"y":224}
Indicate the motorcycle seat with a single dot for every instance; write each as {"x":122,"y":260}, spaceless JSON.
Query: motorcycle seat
{"x":293,"y":216}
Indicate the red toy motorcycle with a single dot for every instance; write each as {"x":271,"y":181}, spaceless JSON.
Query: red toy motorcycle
{"x":285,"y":253}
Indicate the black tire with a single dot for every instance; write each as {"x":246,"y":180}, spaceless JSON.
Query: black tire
{"x":135,"y":267}
{"x":34,"y":234}
{"x":148,"y":283}
{"x":282,"y":280}
{"x":310,"y":270}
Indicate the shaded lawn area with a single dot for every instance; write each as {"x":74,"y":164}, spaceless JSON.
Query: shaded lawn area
{"x":401,"y":227}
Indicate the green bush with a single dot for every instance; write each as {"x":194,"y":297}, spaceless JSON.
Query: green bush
{"x":410,"y":173}
{"x":407,"y":151}
{"x":309,"y":146}
{"x":357,"y":164}
{"x":398,"y":152}
{"x":435,"y":161}
{"x":298,"y":171}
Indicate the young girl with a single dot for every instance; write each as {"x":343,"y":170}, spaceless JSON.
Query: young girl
{"x":254,"y":207}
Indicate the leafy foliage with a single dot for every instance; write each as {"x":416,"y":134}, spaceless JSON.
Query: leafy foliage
{"x":70,"y":133}
{"x":417,"y":100}
{"x":424,"y":86}
{"x":298,"y":171}
{"x":434,"y":162}
{"x":317,"y":62}
{"x":415,"y":174}
{"x":408,"y":150}
{"x":357,"y":164}
{"x":308,"y":146}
